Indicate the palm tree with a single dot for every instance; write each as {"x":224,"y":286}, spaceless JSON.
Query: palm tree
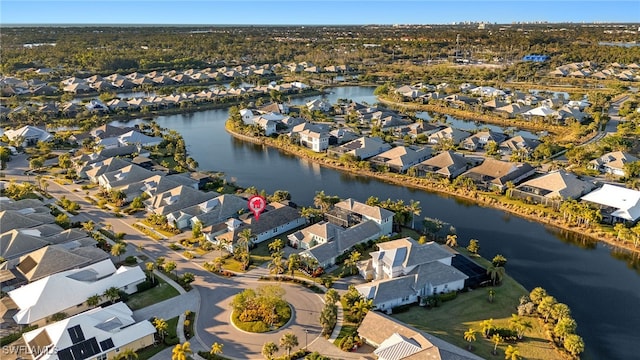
{"x":496,"y":339}
{"x":288,"y":341}
{"x":321,"y":200}
{"x":181,"y":351}
{"x":512,"y":353}
{"x":452,"y":240}
{"x":470,"y":336}
{"x":244,"y":239}
{"x":89,"y":226}
{"x":496,"y":272}
{"x":112,"y":293}
{"x":150,"y":267}
{"x":268,"y":349}
{"x":161,"y":326}
{"x":360,"y":309}
{"x":275,"y":246}
{"x":492,"y":295}
{"x":93,"y":300}
{"x":293,"y":264}
{"x":276,"y":266}
{"x":519,"y":325}
{"x":351,"y":263}
{"x":415,"y":210}
{"x":118,"y":249}
{"x":169,"y":266}
{"x":216,"y":349}
{"x":127,"y":354}
{"x":486,"y":326}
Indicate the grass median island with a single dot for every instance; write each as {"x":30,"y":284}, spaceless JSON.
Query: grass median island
{"x":261,"y":310}
{"x":451,"y":319}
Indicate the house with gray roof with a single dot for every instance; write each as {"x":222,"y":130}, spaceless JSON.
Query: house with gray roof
{"x":362,"y":148}
{"x":395,"y":340}
{"x":14,"y":243}
{"x":448,"y":134}
{"x":612,"y":162}
{"x":403,"y":271}
{"x":211,"y":212}
{"x":363,"y":212}
{"x":29,"y":134}
{"x":447,"y":164}
{"x":94,"y":170}
{"x":552,"y":188}
{"x":122,"y":177}
{"x":401,"y":158}
{"x":480,"y":139}
{"x":181,"y":197}
{"x":494,"y":173}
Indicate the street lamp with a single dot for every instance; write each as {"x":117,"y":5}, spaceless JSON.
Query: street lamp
{"x":306,"y":332}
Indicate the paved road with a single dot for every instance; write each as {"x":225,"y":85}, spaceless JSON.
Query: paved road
{"x":215,"y":293}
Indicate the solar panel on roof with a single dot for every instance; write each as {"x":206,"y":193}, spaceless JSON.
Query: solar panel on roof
{"x":80,"y":351}
{"x":76,"y":334}
{"x":106,"y":344}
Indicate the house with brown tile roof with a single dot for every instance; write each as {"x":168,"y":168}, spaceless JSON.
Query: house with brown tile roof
{"x":552,"y":188}
{"x":613,"y":162}
{"x":494,"y":173}
{"x":447,"y":164}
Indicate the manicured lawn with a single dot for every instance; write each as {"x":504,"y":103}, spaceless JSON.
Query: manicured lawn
{"x":154,"y":295}
{"x":451,"y":319}
{"x":346,"y":330}
{"x":149,"y":351}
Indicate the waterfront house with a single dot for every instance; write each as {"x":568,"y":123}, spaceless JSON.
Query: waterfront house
{"x":519,"y":144}
{"x":612,"y":162}
{"x":494,"y":173}
{"x":316,"y":140}
{"x":34,"y":300}
{"x":616,"y":203}
{"x":181,"y":197}
{"x":318,"y":105}
{"x":403,"y":271}
{"x":448,"y":134}
{"x":395,"y":340}
{"x":447,"y":164}
{"x":211,"y":212}
{"x":346,"y":210}
{"x":362,"y":148}
{"x":401,"y":158}
{"x":552,"y":188}
{"x":480,"y":139}
{"x":100,"y":333}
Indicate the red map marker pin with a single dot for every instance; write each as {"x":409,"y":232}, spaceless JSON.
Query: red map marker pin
{"x":257,"y":204}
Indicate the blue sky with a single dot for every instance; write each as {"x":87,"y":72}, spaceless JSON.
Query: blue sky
{"x":313,"y":12}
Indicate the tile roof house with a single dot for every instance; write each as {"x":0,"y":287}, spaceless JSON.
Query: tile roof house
{"x":275,"y":220}
{"x":480,"y":139}
{"x":449,"y":133}
{"x":401,"y":158}
{"x":181,"y":197}
{"x":494,"y":173}
{"x":518,"y":143}
{"x":97,"y":169}
{"x":617,"y":203}
{"x":403,"y":271}
{"x":124,"y":176}
{"x":210,"y":212}
{"x":447,"y":164}
{"x":15,"y":243}
{"x":34,"y":300}
{"x":362,"y":148}
{"x":100,"y":333}
{"x":395,"y":340}
{"x":612,"y":163}
{"x":382,"y":217}
{"x":30,"y":135}
{"x":554,"y":186}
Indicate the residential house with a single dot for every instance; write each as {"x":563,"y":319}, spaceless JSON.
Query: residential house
{"x":211,"y":212}
{"x":15,"y":243}
{"x":480,"y":139}
{"x":318,"y":105}
{"x":447,"y":164}
{"x":275,"y":220}
{"x":341,"y":136}
{"x":349,"y":209}
{"x":511,"y":110}
{"x":100,"y":333}
{"x":311,"y":136}
{"x":362,"y":148}
{"x":613,"y":162}
{"x":494,"y":173}
{"x":328,"y":241}
{"x":401,"y":158}
{"x":94,"y":165}
{"x":448,"y":134}
{"x":617,"y":203}
{"x":181,"y":197}
{"x":403,"y":271}
{"x":20,"y":219}
{"x":269,"y":126}
{"x":30,"y":135}
{"x":395,"y":340}
{"x":552,"y":188}
{"x":519,"y":144}
{"x":123,"y":177}
{"x":34,"y":300}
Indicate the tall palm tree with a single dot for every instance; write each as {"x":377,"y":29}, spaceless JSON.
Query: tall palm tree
{"x":497,"y":273}
{"x":351,"y":262}
{"x":321,"y":200}
{"x":486,"y":326}
{"x":93,"y":300}
{"x":181,"y":351}
{"x":470,"y":336}
{"x":161,"y":327}
{"x":276,"y":266}
{"x":512,"y":353}
{"x":150,"y":267}
{"x":452,"y":240}
{"x":288,"y":341}
{"x":112,"y":293}
{"x":293,"y":264}
{"x":268,"y":349}
{"x":415,"y":209}
{"x":360,"y":309}
{"x":118,"y":249}
{"x":216,"y":349}
{"x":496,"y":339}
{"x":276,"y":245}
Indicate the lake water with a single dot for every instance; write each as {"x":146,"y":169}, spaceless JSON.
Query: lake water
{"x":602,"y":290}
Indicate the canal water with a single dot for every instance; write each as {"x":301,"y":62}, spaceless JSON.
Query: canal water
{"x":602,"y":289}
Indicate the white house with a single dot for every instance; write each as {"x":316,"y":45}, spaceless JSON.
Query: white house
{"x":382,"y":217}
{"x":30,"y":135}
{"x":100,"y":333}
{"x":619,"y":203}
{"x":317,"y":141}
{"x":363,"y":148}
{"x":71,"y":289}
{"x":613,"y":162}
{"x":247,"y":116}
{"x":403,"y":271}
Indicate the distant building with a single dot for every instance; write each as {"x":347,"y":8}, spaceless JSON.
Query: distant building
{"x":536,"y":58}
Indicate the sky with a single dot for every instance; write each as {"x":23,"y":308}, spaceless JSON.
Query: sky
{"x":313,"y":12}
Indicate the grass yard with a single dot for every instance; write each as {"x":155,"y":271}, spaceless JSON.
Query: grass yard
{"x":150,"y":351}
{"x":451,"y":319}
{"x":154,"y":295}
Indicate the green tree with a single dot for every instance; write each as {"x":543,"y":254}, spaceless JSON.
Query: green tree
{"x":127,"y":354}
{"x":351,"y":263}
{"x":574,"y":344}
{"x":181,"y":351}
{"x":161,"y":327}
{"x":293,"y":264}
{"x":474,"y":246}
{"x":470,"y":336}
{"x":276,"y":266}
{"x":486,"y":326}
{"x":275,"y":246}
{"x":196,"y":229}
{"x":537,"y":294}
{"x":328,"y":318}
{"x":519,"y":325}
{"x":93,"y":300}
{"x":499,"y":260}
{"x":360,"y":309}
{"x":118,"y":249}
{"x":452,"y":240}
{"x":288,"y":341}
{"x":216,"y":349}
{"x":331,"y":296}
{"x":169,"y":266}
{"x":545,"y":307}
{"x":559,"y":311}
{"x":112,"y":294}
{"x":565,"y":326}
{"x":512,"y":353}
{"x":496,"y":339}
{"x":269,"y":349}
{"x":36,"y":163}
{"x":497,"y":273}
{"x":150,"y":267}
{"x":64,"y":161}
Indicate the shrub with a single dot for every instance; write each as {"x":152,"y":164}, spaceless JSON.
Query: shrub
{"x":6,"y":340}
{"x":130,"y":260}
{"x":401,"y":308}
{"x":171,"y":340}
{"x":448,"y":296}
{"x":145,"y":285}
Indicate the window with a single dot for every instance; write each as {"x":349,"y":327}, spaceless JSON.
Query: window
{"x":102,"y":357}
